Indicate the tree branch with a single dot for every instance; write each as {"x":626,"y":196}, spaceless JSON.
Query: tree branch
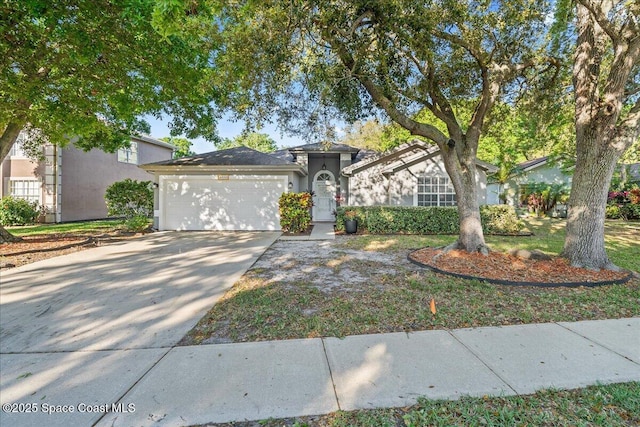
{"x":442,"y":108}
{"x":9,"y":137}
{"x":416,"y":128}
{"x":628,"y":130}
{"x":476,"y":54}
{"x":601,"y":18}
{"x":490,"y":90}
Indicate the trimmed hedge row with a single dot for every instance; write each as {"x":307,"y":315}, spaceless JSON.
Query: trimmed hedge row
{"x":496,"y":219}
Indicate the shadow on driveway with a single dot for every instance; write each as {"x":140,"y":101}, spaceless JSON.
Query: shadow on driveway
{"x":142,"y":294}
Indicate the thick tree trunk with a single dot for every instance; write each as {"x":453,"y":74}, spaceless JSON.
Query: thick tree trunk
{"x":6,"y":237}
{"x":601,"y":138}
{"x":9,"y":137}
{"x":471,"y":236}
{"x":462,"y":172}
{"x":584,"y":242}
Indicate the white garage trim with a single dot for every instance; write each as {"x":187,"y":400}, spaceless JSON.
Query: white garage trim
{"x":220,"y":202}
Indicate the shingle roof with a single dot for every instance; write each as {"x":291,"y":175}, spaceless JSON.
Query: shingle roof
{"x":533,"y":163}
{"x":283,"y":154}
{"x":238,"y":156}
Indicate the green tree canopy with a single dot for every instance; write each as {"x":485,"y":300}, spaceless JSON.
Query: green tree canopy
{"x":257,"y":141}
{"x":183,"y":146}
{"x":91,"y":69}
{"x":308,"y":63}
{"x":516,"y":133}
{"x":373,"y":135}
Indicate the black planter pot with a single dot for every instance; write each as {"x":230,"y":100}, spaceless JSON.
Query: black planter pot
{"x":350,"y":226}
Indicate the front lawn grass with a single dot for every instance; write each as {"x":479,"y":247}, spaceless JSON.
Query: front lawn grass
{"x":621,"y":240}
{"x":81,"y":227}
{"x":614,"y":405}
{"x":257,"y":309}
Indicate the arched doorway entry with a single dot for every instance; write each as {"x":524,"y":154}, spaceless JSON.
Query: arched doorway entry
{"x":324,"y":189}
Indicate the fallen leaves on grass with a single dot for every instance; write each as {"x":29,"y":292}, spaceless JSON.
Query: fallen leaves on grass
{"x":501,"y":266}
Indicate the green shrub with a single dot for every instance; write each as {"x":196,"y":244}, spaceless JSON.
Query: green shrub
{"x":295,"y":215}
{"x":16,"y":211}
{"x":612,"y":212}
{"x":542,"y":197}
{"x":629,"y":211}
{"x":623,"y":204}
{"x":130,"y":198}
{"x":137,"y":223}
{"x":498,"y":219}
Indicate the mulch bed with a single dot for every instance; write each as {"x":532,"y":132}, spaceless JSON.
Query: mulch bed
{"x":503,"y":268}
{"x":41,"y":247}
{"x":307,"y":232}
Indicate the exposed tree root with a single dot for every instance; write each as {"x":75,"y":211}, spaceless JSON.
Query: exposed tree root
{"x":483,"y":249}
{"x":6,"y":237}
{"x":607,"y":266}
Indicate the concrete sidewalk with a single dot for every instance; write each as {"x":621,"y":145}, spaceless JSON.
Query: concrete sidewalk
{"x":253,"y":381}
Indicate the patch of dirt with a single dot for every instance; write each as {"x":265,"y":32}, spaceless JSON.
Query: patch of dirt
{"x":304,"y":289}
{"x":40,"y":247}
{"x":501,"y":266}
{"x":326,"y":267}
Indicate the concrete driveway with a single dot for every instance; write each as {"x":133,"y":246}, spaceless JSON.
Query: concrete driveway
{"x":80,"y":330}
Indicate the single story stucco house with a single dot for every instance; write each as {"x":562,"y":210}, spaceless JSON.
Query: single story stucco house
{"x":540,"y":170}
{"x":239,"y":188}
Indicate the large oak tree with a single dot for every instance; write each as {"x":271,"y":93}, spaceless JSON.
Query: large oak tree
{"x":606,"y":79}
{"x":90,"y":69}
{"x":308,"y":62}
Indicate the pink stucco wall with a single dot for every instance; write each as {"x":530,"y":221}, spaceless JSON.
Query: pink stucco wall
{"x":86,"y":176}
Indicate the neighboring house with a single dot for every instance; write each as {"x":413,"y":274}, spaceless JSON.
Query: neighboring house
{"x":239,"y":188}
{"x":541,"y":170}
{"x":71,"y":183}
{"x":632,"y":171}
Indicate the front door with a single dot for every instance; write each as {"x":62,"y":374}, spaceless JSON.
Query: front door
{"x":324,"y":189}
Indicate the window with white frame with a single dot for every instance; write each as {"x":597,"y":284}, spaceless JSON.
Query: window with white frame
{"x":28,"y":189}
{"x":129,"y":154}
{"x":436,"y":191}
{"x":16,"y":149}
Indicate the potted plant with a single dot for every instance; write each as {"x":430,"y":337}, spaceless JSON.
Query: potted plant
{"x":350,"y":222}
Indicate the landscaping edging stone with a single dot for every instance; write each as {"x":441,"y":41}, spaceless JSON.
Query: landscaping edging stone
{"x":520,"y":283}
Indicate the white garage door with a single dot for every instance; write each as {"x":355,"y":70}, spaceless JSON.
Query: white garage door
{"x":228,"y":202}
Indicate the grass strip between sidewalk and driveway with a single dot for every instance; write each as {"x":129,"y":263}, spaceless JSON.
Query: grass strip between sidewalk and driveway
{"x":614,"y":405}
{"x":79,"y":227}
{"x":286,"y":299}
